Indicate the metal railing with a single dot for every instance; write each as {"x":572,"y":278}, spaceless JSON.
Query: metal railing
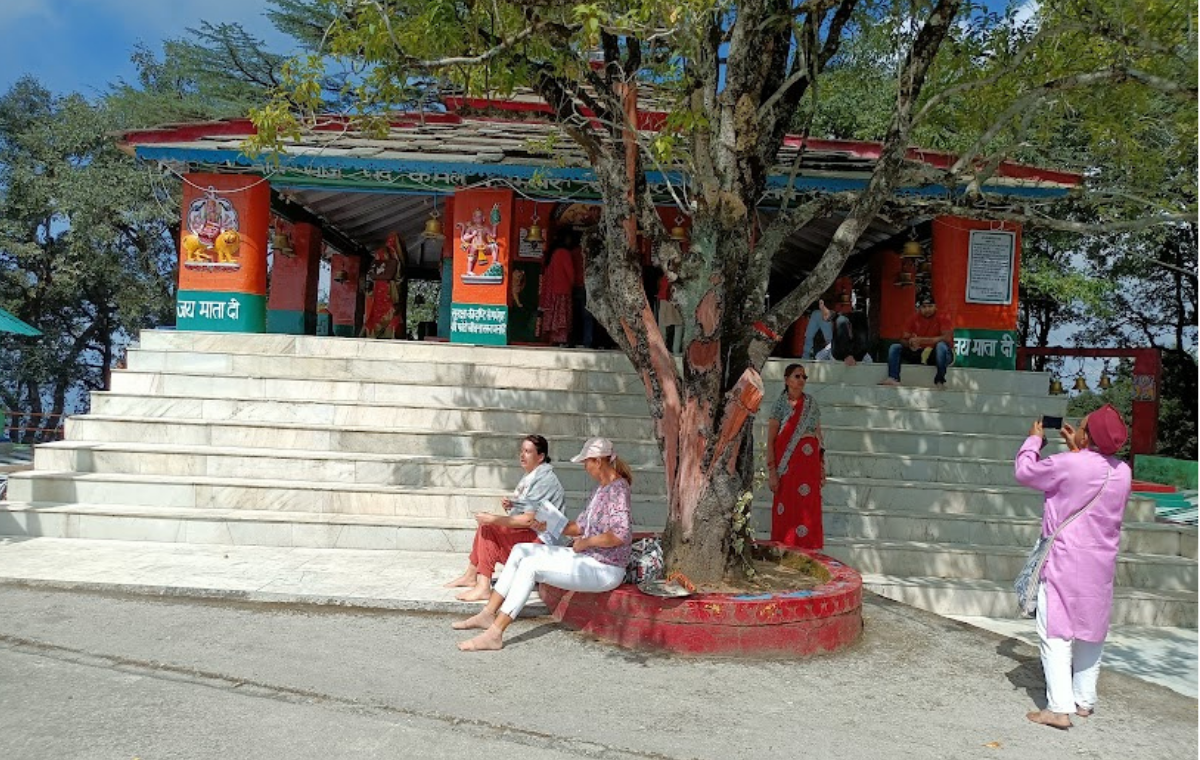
{"x":34,"y":427}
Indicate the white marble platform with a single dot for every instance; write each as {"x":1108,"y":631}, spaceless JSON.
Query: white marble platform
{"x":295,"y":441}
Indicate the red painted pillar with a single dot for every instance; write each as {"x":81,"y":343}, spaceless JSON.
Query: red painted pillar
{"x":292,"y":304}
{"x":345,"y":297}
{"x":223,"y":253}
{"x":1147,"y":377}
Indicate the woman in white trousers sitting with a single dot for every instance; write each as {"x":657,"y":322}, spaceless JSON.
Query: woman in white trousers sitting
{"x":595,"y":562}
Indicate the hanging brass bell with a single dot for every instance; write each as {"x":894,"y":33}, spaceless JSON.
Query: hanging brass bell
{"x":281,"y":244}
{"x":1105,"y":382}
{"x":1056,"y":387}
{"x":1080,"y":384}
{"x":433,"y":227}
{"x":912,"y":250}
{"x":679,"y":232}
{"x":535,"y":232}
{"x":903,"y":279}
{"x":340,"y":276}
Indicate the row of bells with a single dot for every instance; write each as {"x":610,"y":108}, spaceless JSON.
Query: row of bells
{"x":1056,"y":386}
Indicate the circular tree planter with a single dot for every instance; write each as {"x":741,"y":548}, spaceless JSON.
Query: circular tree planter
{"x":792,"y":623}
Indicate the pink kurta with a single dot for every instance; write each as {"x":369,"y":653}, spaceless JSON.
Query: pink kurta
{"x":1079,"y":570}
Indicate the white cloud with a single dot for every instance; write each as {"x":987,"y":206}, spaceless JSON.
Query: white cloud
{"x":167,"y":18}
{"x":1027,"y":10}
{"x":13,"y":12}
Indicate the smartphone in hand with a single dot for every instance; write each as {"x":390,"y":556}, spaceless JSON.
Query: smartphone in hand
{"x":1051,"y":422}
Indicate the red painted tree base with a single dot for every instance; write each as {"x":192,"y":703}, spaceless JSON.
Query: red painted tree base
{"x":783,"y":623}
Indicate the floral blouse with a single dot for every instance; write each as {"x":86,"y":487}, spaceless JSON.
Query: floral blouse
{"x":608,"y":511}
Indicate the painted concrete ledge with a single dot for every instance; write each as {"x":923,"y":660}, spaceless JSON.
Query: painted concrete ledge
{"x":782,"y":624}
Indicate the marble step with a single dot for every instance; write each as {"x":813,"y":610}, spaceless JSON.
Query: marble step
{"x":954,"y":596}
{"x":172,"y":443}
{"x":977,"y":530}
{"x":868,"y":494}
{"x":410,"y":436}
{"x":852,"y":465}
{"x":996,"y":563}
{"x":415,"y":442}
{"x":447,"y":419}
{"x":198,"y":385}
{"x":333,"y":468}
{"x":912,"y":422}
{"x":294,"y":495}
{"x":968,"y":445}
{"x":360,"y":348}
{"x":462,"y":372}
{"x":238,"y":527}
{"x":1025,"y":383}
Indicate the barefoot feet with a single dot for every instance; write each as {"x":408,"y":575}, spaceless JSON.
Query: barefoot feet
{"x":889,"y":381}
{"x":479,"y":592}
{"x":481,"y":619}
{"x":1061,"y":721}
{"x":490,"y":640}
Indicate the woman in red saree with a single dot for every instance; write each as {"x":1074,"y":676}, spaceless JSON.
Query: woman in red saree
{"x":796,"y":464}
{"x":555,"y":301}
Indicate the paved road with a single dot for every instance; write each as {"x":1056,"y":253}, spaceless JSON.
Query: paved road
{"x":100,"y":676}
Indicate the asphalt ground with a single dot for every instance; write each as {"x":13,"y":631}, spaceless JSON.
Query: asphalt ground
{"x":105,"y":675}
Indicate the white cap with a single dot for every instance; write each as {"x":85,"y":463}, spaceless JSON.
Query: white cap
{"x":595,"y":448}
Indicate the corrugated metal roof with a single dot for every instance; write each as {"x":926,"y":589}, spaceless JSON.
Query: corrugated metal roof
{"x":10,"y":324}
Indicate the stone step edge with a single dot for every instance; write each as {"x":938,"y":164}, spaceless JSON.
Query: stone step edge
{"x":355,"y":519}
{"x":636,"y":391}
{"x":307,"y":426}
{"x":969,"y":436}
{"x":270,"y":425}
{"x":290,"y":485}
{"x":255,"y":515}
{"x":533,"y":609}
{"x":1005,"y":587}
{"x":307,"y":401}
{"x":397,"y":383}
{"x":399,"y":361}
{"x":605,"y":415}
{"x":842,"y":509}
{"x":519,"y":351}
{"x":985,"y":549}
{"x":646,"y":470}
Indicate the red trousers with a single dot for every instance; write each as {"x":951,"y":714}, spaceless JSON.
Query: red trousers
{"x":493,"y":543}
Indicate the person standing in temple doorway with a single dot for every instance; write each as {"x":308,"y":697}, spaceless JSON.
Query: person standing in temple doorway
{"x":557,"y":283}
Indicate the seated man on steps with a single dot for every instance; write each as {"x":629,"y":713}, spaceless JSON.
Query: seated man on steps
{"x":849,"y":343}
{"x":926,"y":340}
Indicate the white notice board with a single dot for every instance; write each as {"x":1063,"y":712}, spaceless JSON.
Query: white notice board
{"x":990,"y":260}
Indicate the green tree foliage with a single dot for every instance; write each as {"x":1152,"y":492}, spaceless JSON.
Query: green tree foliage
{"x":732,"y":77}
{"x":87,"y":251}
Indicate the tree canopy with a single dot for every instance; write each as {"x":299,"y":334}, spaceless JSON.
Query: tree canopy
{"x":1081,"y":82}
{"x":87,"y":251}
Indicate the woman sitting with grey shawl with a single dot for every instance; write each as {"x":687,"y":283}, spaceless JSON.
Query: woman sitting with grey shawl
{"x":498,"y":534}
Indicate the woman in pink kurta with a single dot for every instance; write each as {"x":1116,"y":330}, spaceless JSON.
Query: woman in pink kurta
{"x":1075,"y":599}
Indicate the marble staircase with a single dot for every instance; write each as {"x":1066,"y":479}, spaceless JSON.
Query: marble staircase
{"x":300,"y":441}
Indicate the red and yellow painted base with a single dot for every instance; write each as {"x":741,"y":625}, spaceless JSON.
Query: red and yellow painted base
{"x":780,"y":624}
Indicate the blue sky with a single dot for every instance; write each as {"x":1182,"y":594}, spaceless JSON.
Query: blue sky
{"x":84,"y":45}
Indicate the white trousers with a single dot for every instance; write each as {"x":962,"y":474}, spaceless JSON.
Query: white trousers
{"x":1071,"y":666}
{"x":558,"y":566}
